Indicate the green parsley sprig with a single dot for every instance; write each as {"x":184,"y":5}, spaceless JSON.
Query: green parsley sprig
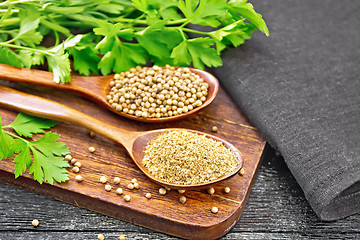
{"x":120,"y":34}
{"x":42,"y":157}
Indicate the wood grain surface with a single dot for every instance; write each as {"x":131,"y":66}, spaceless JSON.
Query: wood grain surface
{"x":192,"y":220}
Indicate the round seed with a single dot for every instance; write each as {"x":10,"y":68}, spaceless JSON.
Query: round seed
{"x":107,"y":188}
{"x":130,"y":186}
{"x":116,"y":180}
{"x":100,"y":237}
{"x":148,"y":195}
{"x":35,"y":222}
{"x":75,"y":169}
{"x":133,"y":180}
{"x":73,"y":161}
{"x":182,"y":199}
{"x":127,"y":198}
{"x":103,"y":179}
{"x":79,"y":178}
{"x":227,"y":190}
{"x":242,"y":172}
{"x":211,"y":191}
{"x":77,"y":164}
{"x":214,"y":129}
{"x":181,"y":191}
{"x":214,"y":209}
{"x":119,"y":191}
{"x":136,"y":185}
{"x":92,"y":134}
{"x":91,"y":149}
{"x":68,"y":157}
{"x":162,"y":191}
{"x":167,"y":188}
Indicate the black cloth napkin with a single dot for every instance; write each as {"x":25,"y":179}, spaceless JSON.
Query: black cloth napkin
{"x":301,"y":88}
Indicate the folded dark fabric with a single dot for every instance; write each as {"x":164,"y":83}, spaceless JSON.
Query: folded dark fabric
{"x":301,"y":88}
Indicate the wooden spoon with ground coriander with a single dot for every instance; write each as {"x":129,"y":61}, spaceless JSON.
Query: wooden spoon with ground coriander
{"x":194,"y":159}
{"x":149,"y":94}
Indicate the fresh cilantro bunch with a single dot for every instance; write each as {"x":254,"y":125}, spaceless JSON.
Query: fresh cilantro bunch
{"x":119,"y":34}
{"x":42,"y":157}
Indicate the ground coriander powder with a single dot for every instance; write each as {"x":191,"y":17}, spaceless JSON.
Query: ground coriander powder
{"x":185,"y":158}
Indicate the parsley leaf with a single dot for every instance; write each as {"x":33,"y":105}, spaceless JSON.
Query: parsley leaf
{"x":42,"y":157}
{"x":26,"y":125}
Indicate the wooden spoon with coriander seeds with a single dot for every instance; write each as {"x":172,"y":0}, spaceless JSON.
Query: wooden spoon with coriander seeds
{"x":97,"y":89}
{"x":133,"y":141}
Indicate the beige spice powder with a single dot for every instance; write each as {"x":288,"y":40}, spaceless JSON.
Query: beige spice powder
{"x":185,"y":158}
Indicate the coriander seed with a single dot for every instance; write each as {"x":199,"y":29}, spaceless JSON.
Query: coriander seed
{"x":116,"y":180}
{"x":103,"y":179}
{"x":227,"y":190}
{"x":73,"y":161}
{"x":242,"y":172}
{"x":119,"y":191}
{"x":35,"y":222}
{"x":181,"y":191}
{"x":127,"y":198}
{"x":100,"y":237}
{"x":211,"y":191}
{"x":91,"y":149}
{"x":92,"y":134}
{"x":214,"y":129}
{"x":68,"y":157}
{"x":107,"y":188}
{"x":134,"y":180}
{"x":148,"y":195}
{"x":162,"y":191}
{"x":136,"y":185}
{"x":182,"y":199}
{"x":75,"y":169}
{"x":77,"y":164}
{"x":214,"y":209}
{"x":130,"y":186}
{"x":79,"y":178}
{"x":167,"y":188}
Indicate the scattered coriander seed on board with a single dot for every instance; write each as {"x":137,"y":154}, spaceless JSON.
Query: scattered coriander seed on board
{"x":162,"y":191}
{"x":134,"y":180}
{"x":148,"y":195}
{"x":68,"y":157}
{"x":154,"y":92}
{"x":77,"y":164}
{"x":122,"y":237}
{"x":100,"y":237}
{"x":183,"y":157}
{"x":73,"y":161}
{"x":182,"y":199}
{"x":119,"y":191}
{"x":103,"y":179}
{"x":35,"y":222}
{"x":214,"y":129}
{"x":167,"y":188}
{"x":127,"y":198}
{"x":79,"y":178}
{"x":116,"y":180}
{"x":107,"y":188}
{"x":214,"y":209}
{"x":227,"y":190}
{"x":181,"y":191}
{"x":211,"y":191}
{"x":136,"y":185}
{"x":130,"y":186}
{"x":91,"y":149}
{"x":92,"y":134}
{"x":242,"y":172}
{"x":75,"y":169}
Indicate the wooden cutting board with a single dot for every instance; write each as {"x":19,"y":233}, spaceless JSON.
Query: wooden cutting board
{"x":192,"y":220}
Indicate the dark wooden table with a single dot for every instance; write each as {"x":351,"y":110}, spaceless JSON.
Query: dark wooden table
{"x":276,"y":209}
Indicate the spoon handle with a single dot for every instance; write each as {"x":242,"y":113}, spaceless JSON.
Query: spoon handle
{"x":88,"y":87}
{"x":41,"y":107}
